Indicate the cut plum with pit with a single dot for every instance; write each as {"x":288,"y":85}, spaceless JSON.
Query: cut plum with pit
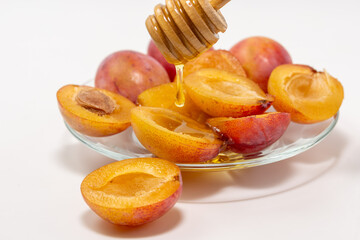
{"x":93,"y":111}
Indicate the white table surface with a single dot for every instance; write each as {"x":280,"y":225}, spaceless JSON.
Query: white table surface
{"x":47,"y":44}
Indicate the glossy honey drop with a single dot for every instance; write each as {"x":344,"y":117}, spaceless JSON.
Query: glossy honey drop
{"x":180,"y":96}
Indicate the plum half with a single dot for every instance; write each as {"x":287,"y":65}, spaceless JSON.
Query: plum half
{"x":308,"y":95}
{"x":134,"y":191}
{"x":223,"y":94}
{"x":93,"y":111}
{"x":252,"y":133}
{"x":172,"y":136}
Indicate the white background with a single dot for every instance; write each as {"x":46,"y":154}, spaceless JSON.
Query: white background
{"x":47,"y":44}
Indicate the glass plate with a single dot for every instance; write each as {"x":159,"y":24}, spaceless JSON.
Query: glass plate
{"x":297,"y":139}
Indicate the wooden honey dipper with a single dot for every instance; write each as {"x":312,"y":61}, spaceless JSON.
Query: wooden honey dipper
{"x":182,"y":29}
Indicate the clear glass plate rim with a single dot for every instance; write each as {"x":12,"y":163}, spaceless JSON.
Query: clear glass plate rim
{"x":103,"y":149}
{"x":261,"y":160}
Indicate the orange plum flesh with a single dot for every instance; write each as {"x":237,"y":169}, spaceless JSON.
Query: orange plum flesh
{"x":219,"y":59}
{"x":223,"y":94}
{"x":164,"y":96}
{"x":91,"y":123}
{"x":133,"y":192}
{"x":172,"y":136}
{"x":309,"y":96}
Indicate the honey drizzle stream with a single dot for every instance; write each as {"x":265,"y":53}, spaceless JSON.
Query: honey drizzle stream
{"x":180,"y":97}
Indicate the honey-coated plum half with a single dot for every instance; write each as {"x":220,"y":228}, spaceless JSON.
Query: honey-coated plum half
{"x":253,"y":133}
{"x":259,"y":56}
{"x":172,"y":136}
{"x":219,"y":59}
{"x":164,"y":96}
{"x":129,"y":73}
{"x":133,"y":192}
{"x":92,"y":111}
{"x":309,"y":96}
{"x":223,"y":94}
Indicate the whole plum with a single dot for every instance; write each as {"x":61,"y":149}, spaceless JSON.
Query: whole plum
{"x":129,"y":73}
{"x":259,"y":56}
{"x":154,"y":52}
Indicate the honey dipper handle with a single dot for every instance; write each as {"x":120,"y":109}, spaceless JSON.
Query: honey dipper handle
{"x":217,"y":4}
